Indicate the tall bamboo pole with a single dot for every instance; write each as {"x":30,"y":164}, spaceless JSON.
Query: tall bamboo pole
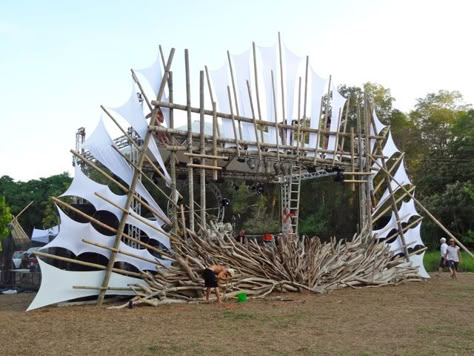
{"x":133,"y":184}
{"x":235,"y":92}
{"x":254,"y":122}
{"x":174,"y":191}
{"x":189,"y":142}
{"x":283,"y":114}
{"x":277,"y":128}
{"x":202,"y":127}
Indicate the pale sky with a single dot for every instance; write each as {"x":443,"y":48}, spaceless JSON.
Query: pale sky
{"x":60,"y":60}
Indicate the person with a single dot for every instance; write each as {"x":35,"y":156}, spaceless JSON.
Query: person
{"x":241,"y":237}
{"x":453,"y":257}
{"x":443,"y":248}
{"x":286,"y":223}
{"x":213,"y":275}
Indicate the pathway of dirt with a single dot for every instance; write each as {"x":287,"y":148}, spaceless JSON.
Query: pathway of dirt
{"x":425,"y":318}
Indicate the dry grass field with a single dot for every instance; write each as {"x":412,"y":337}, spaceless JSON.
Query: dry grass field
{"x":426,"y":318}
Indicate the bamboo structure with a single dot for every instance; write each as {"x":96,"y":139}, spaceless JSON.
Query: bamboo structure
{"x":195,"y":240}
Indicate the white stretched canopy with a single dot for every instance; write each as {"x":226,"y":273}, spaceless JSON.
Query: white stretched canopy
{"x":337,"y":105}
{"x":132,"y":112}
{"x":58,"y":285}
{"x":412,"y":239}
{"x":100,"y":145}
{"x":401,"y":177}
{"x":290,"y":73}
{"x":318,"y":85}
{"x":378,"y":125}
{"x":71,"y":236}
{"x":417,"y":261}
{"x":220,"y":80}
{"x":389,"y":148}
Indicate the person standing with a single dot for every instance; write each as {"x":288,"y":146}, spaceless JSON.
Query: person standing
{"x":442,"y":249}
{"x":453,"y":257}
{"x":286,"y":223}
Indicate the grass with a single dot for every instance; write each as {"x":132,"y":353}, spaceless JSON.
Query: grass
{"x":431,"y":262}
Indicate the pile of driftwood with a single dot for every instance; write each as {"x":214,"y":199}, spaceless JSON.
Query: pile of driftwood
{"x":289,"y":266}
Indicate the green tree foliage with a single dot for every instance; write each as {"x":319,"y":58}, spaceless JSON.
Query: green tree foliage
{"x":19,"y":194}
{"x":5,"y":217}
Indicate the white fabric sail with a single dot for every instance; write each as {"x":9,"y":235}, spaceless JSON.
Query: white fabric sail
{"x":132,"y":112}
{"x":292,"y":64}
{"x":220,"y":80}
{"x":318,"y":86}
{"x":269,"y":59}
{"x":43,"y":235}
{"x":337,"y":105}
{"x":154,"y":76}
{"x":378,"y":125}
{"x":72,"y":233}
{"x":57,"y":285}
{"x":389,"y":149}
{"x":241,"y":76}
{"x":401,"y":177}
{"x":408,"y":209}
{"x":417,"y":261}
{"x":85,"y":188}
{"x":412,"y":239}
{"x":100,"y":145}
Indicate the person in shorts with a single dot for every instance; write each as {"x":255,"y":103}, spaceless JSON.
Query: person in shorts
{"x":453,"y":258}
{"x":212,"y":276}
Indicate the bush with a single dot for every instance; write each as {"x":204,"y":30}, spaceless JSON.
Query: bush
{"x":431,"y":262}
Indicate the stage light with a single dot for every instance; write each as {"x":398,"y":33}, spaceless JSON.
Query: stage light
{"x":225,"y":202}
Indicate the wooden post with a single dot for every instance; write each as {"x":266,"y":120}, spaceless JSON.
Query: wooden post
{"x":254,"y":123}
{"x":362,"y":210}
{"x":202,"y":128}
{"x":352,"y":156}
{"x":277,"y":128}
{"x":326,"y":112}
{"x":214,"y":139}
{"x":174,"y":191}
{"x":133,"y":184}
{"x":305,"y":100}
{"x":298,"y":123}
{"x":368,"y":153}
{"x":259,"y":111}
{"x":190,"y":142}
{"x":233,"y":122}
{"x":235,"y":92}
{"x":318,"y":135}
{"x":283,"y":114}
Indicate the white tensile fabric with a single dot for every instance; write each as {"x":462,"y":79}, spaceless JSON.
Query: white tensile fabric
{"x":408,"y":209}
{"x":401,"y":178}
{"x":72,"y":233}
{"x":58,"y":285}
{"x":220,"y":80}
{"x":241,"y":76}
{"x":378,"y":125}
{"x":318,"y":85}
{"x":43,"y":236}
{"x":84,"y":187}
{"x":132,"y":112}
{"x":417,"y":261}
{"x":412,"y":239}
{"x":154,"y":76}
{"x":383,"y":232}
{"x":100,"y":145}
{"x":389,"y":149}
{"x":270,"y":65}
{"x":292,"y":63}
{"x":337,"y":105}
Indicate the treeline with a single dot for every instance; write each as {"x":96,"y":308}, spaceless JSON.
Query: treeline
{"x":437,"y":137}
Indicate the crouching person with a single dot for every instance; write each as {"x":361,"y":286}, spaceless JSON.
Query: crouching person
{"x":213,"y":276}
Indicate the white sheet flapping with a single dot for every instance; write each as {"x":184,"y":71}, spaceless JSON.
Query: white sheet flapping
{"x":43,"y":236}
{"x":58,"y":285}
{"x":389,"y":149}
{"x":292,"y":64}
{"x":100,"y":145}
{"x":378,"y":125}
{"x":132,"y":112}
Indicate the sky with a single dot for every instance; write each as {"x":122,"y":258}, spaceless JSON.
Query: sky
{"x":61,"y":60}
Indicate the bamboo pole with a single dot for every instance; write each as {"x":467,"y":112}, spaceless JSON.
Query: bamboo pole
{"x":235,"y":93}
{"x":174,"y":190}
{"x":304,"y":104}
{"x":346,"y":119}
{"x":336,"y":143}
{"x":237,"y":144}
{"x":259,"y":111}
{"x":214,"y":139}
{"x":101,"y":288}
{"x":326,"y":111}
{"x":298,"y":130}
{"x":202,"y":127}
{"x":189,"y":141}
{"x":362,"y":217}
{"x":352,"y":157}
{"x":213,"y":156}
{"x":368,"y":199}
{"x":283,"y":113}
{"x":277,"y":128}
{"x":426,"y":211}
{"x":257,"y":140}
{"x":382,"y":213}
{"x":133,"y":184}
{"x":318,"y":134}
{"x":390,"y":170}
{"x":204,"y":166}
{"x":142,"y":92}
{"x":84,"y":263}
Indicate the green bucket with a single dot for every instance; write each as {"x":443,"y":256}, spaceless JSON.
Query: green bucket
{"x":242,"y":297}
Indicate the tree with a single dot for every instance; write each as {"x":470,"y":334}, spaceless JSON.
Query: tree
{"x":5,"y":217}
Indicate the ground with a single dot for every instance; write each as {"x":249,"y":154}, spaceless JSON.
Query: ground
{"x":417,"y":318}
